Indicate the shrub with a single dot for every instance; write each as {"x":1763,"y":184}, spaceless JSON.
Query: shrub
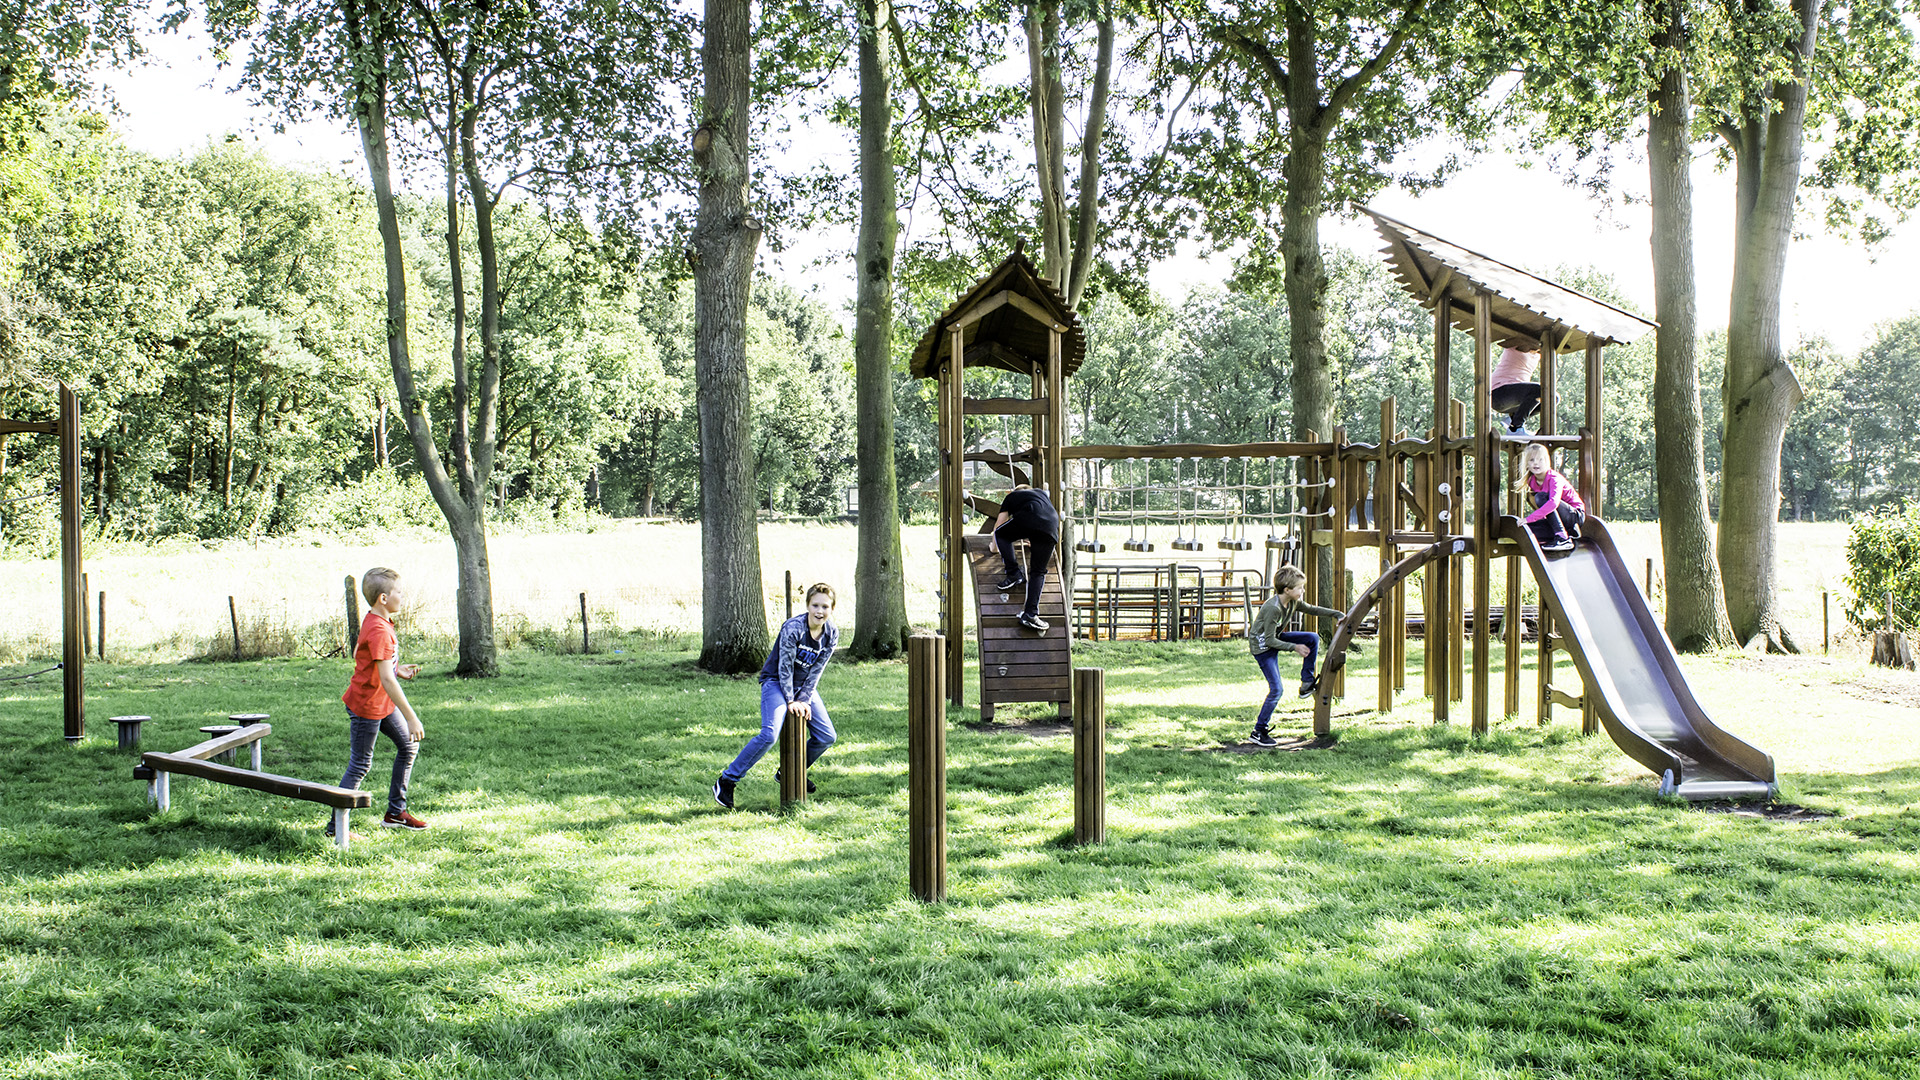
{"x":1883,"y":553}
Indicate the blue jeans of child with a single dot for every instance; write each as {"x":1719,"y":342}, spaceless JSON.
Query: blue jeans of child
{"x":361,"y":733}
{"x":1269,"y":662}
{"x":773,"y":714}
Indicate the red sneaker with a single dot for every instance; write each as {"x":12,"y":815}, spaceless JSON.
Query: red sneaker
{"x":402,"y":820}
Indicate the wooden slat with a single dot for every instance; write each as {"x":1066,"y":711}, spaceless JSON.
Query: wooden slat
{"x":220,"y":744}
{"x":1211,"y":451}
{"x":1008,"y":682}
{"x":1027,"y":671}
{"x":285,"y":786}
{"x":29,"y":427}
{"x":1004,"y":406}
{"x":1021,"y":694}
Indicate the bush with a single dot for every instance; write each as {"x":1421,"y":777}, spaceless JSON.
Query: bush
{"x":1883,"y":553}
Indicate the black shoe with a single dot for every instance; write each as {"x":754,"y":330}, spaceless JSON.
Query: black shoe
{"x":1011,"y":584}
{"x":1032,"y":622}
{"x":723,"y":792}
{"x":810,"y":788}
{"x":1308,"y":685}
{"x":1562,"y":544}
{"x":1261,"y":738}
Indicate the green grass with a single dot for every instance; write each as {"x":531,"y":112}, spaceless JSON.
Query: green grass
{"x":1410,"y":903}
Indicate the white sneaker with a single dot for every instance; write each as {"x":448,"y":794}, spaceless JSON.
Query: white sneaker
{"x":1033,"y":622}
{"x":1558,"y":545}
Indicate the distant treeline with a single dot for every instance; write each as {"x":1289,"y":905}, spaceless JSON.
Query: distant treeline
{"x":223,"y":319}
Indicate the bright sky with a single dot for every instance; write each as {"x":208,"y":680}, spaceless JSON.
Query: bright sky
{"x":181,"y":101}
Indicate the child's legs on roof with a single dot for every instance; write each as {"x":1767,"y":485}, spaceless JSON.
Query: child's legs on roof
{"x":773,"y":713}
{"x":1312,"y":641}
{"x":1269,"y":662}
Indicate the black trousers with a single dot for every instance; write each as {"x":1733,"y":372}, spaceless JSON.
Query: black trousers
{"x":1040,"y":545}
{"x":1518,"y":400}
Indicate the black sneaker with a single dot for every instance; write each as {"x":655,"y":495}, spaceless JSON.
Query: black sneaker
{"x":1562,"y":544}
{"x":1308,"y":685}
{"x":723,"y":792}
{"x":1261,"y":738}
{"x":810,"y":788}
{"x":1032,"y":622}
{"x":1011,"y":584}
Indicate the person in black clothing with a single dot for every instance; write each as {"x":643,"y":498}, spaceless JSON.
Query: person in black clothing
{"x":1027,"y":515}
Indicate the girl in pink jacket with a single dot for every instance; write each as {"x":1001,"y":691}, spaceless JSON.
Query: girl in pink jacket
{"x":1557,"y":509}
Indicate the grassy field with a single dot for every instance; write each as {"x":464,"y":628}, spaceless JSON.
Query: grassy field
{"x":171,"y":604}
{"x":1408,"y":903}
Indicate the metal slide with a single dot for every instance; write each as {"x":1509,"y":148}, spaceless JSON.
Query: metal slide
{"x":1632,"y":674}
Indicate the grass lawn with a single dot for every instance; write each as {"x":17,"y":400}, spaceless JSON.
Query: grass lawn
{"x":1409,"y":903}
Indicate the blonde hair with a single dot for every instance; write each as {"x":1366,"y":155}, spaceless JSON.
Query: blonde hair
{"x":1287,"y":576}
{"x":376,"y":581}
{"x":1525,"y":468}
{"x":821,"y":588}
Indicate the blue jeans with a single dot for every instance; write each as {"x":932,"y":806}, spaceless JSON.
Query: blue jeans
{"x":1269,"y":662}
{"x":773,"y":713}
{"x":361,"y":734}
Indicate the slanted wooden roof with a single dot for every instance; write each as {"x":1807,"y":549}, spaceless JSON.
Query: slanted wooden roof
{"x":1525,"y":307}
{"x":1007,"y":319}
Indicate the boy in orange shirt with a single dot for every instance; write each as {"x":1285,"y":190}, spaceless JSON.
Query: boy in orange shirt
{"x":376,"y":704}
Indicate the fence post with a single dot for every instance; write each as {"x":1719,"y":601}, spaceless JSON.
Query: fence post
{"x":1089,"y":756}
{"x":927,"y":767}
{"x":586,"y":643}
{"x":789,"y":594}
{"x":233,"y":615}
{"x":100,"y":631}
{"x":353,"y":619}
{"x":1649,"y":588}
{"x":1825,"y":623}
{"x":86,"y":630}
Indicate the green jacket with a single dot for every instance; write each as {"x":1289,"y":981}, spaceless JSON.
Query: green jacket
{"x":1274,"y":616}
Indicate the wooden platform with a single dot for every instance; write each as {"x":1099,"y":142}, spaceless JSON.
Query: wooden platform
{"x":1017,"y":664}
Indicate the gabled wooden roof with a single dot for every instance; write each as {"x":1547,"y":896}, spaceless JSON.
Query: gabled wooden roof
{"x":1524,"y":306}
{"x":1007,"y":319}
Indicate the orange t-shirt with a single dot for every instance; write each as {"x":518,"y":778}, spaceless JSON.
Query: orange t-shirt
{"x":364,"y":697}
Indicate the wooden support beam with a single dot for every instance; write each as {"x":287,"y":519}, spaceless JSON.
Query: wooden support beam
{"x":1003,"y":406}
{"x":1212,"y":451}
{"x":1486,"y":491}
{"x":29,"y":427}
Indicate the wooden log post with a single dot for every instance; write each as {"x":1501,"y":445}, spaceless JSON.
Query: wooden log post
{"x":233,"y":617}
{"x":100,"y":630}
{"x":926,"y":768}
{"x":586,"y":639}
{"x":73,"y":595}
{"x":353,"y":618}
{"x":1089,"y":756}
{"x":86,"y":620}
{"x":1826,"y":624}
{"x":793,"y":760}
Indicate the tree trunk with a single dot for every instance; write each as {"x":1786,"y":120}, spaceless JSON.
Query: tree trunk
{"x":880,"y":599}
{"x":1046,"y":97}
{"x":380,"y":431}
{"x":1761,"y":390}
{"x":1696,"y":606}
{"x":725,"y":238}
{"x":474,"y":601}
{"x":233,"y":389}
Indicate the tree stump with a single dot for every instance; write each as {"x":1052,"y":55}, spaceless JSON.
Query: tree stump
{"x":1891,"y":649}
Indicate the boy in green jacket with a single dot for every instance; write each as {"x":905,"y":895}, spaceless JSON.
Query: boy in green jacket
{"x":1267,"y":635}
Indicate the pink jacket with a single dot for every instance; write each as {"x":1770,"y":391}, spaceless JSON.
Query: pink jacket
{"x":1558,"y":491}
{"x":1513,"y":366}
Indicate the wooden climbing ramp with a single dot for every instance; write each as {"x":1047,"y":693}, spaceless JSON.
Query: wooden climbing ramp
{"x":1017,"y":664}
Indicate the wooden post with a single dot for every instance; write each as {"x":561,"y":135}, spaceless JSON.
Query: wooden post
{"x":586,"y":641}
{"x":1386,"y":512}
{"x":100,"y":631}
{"x":789,"y":594}
{"x":1439,"y":517}
{"x":926,"y":768}
{"x":233,"y":616}
{"x":1457,"y":585}
{"x":1089,"y":756}
{"x":1591,"y":480}
{"x":1485,"y":471}
{"x":1825,"y":624}
{"x":1649,"y":589}
{"x":793,"y":760}
{"x":353,"y":618}
{"x":73,"y":595}
{"x":954,"y":516}
{"x":1510,"y":622}
{"x":86,"y":622}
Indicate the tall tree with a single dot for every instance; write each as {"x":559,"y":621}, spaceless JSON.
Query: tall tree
{"x":1696,"y":605}
{"x":1765,"y":133}
{"x":880,"y":603}
{"x":1067,"y":234}
{"x":512,"y":94}
{"x":725,"y":239}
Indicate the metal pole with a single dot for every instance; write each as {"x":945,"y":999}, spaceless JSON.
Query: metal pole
{"x":1089,"y":756}
{"x":926,"y":768}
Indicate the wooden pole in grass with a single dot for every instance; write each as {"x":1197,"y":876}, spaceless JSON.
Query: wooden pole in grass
{"x":586,"y":642}
{"x":86,"y":623}
{"x":1825,"y":624}
{"x":926,"y":767}
{"x":353,"y":618}
{"x":233,"y":616}
{"x":793,"y":760}
{"x":100,"y":631}
{"x":1089,"y":756}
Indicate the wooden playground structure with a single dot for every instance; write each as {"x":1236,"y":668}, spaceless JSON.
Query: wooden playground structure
{"x":73,"y":597}
{"x":1432,"y":506}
